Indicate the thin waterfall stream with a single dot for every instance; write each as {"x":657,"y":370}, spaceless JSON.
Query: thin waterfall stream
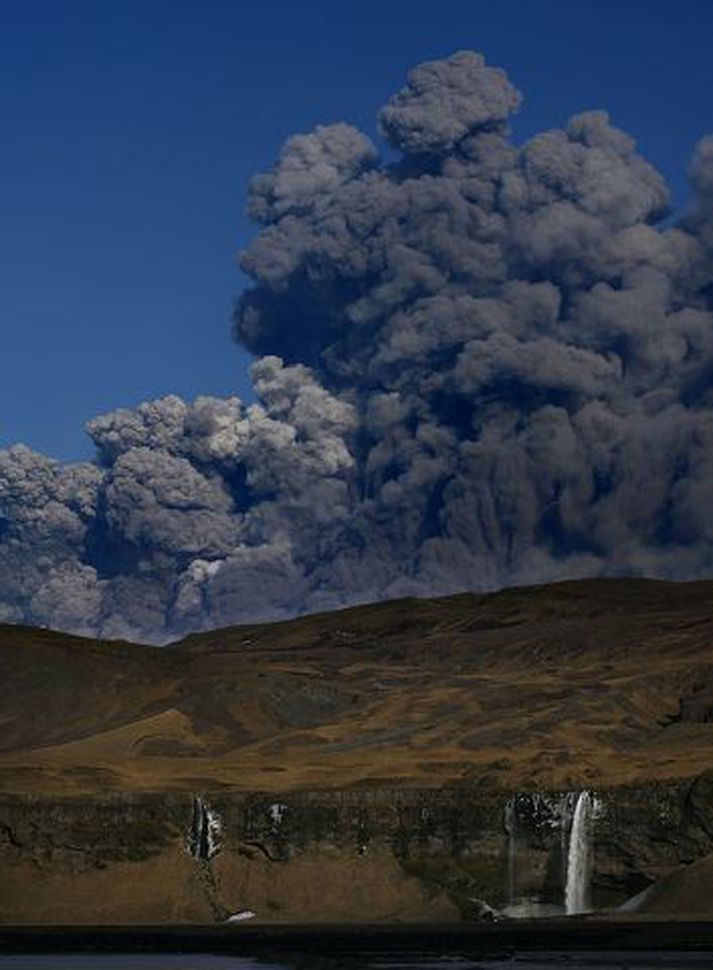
{"x":511,"y":829}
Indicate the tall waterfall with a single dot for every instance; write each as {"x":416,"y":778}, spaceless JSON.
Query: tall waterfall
{"x":579,"y":858}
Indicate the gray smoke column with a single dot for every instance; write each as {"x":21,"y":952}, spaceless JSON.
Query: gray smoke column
{"x":479,"y":364}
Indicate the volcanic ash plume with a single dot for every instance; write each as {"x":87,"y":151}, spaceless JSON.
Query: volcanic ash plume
{"x":478,"y":365}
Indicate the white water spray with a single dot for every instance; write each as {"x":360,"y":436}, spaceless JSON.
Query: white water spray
{"x":206,"y":827}
{"x":579,"y":858}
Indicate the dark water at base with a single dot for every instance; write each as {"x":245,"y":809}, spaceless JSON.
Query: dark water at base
{"x":370,"y":961}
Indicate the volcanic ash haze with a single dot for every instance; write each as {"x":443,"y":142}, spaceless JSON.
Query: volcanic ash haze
{"x":477,"y":365}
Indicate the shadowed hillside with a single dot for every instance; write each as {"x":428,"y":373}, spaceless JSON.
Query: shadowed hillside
{"x":598,"y":682}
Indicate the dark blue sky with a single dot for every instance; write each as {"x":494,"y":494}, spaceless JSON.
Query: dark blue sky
{"x":130,"y":130}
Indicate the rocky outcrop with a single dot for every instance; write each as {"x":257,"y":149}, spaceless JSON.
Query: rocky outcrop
{"x":362,"y":855}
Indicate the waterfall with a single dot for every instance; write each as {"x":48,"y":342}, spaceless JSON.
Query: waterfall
{"x":204,"y":838}
{"x":579,"y":858}
{"x":511,"y":829}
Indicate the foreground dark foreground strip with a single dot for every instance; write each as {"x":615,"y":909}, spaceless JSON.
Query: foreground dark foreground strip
{"x":272,"y":941}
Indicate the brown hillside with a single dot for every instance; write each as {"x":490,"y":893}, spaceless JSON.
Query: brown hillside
{"x":597,"y":682}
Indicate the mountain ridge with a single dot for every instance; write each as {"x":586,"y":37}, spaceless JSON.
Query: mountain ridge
{"x":579,"y":683}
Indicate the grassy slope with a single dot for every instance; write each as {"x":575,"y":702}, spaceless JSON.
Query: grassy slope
{"x":562,"y":685}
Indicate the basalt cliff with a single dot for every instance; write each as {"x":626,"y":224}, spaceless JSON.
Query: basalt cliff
{"x":536,"y":750}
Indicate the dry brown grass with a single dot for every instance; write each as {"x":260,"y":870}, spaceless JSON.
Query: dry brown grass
{"x":554,"y":686}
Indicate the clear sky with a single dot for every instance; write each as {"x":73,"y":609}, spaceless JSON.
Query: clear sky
{"x":130,"y":130}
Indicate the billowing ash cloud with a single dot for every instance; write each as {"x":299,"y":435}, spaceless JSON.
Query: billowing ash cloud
{"x":478,"y":365}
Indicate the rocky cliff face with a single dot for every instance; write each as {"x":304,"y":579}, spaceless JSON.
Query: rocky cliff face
{"x":369,"y":855}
